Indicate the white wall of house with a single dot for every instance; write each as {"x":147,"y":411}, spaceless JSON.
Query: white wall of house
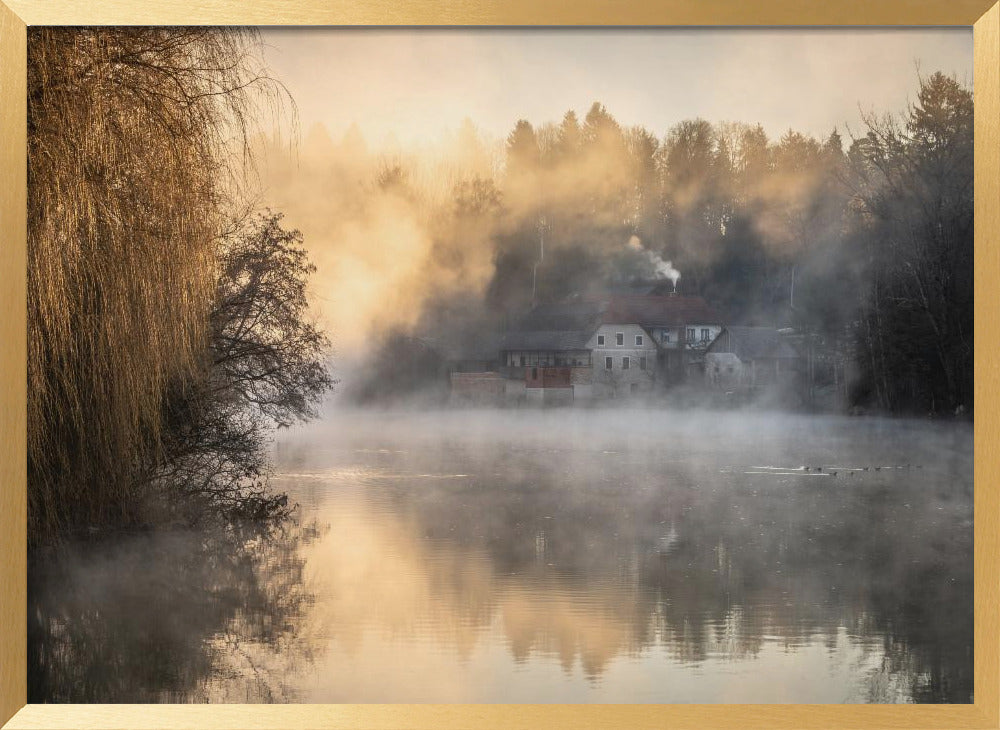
{"x":670,"y":337}
{"x":636,"y":345}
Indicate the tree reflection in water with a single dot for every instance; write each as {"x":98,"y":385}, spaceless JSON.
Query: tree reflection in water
{"x":506,"y":566}
{"x":590,"y":552}
{"x":168,"y":617}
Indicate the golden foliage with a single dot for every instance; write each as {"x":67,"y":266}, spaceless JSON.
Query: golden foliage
{"x":134,"y":136}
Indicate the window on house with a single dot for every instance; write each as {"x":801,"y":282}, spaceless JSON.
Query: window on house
{"x":620,"y":338}
{"x":690,"y":334}
{"x":600,"y":340}
{"x":666,"y":336}
{"x":609,"y":363}
{"x":522,"y":361}
{"x":704,"y":334}
{"x":534,"y":373}
{"x":642,"y":363}
{"x":625,"y":363}
{"x":638,"y":340}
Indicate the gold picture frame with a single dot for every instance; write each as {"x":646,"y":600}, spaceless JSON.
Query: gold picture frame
{"x":16,"y":15}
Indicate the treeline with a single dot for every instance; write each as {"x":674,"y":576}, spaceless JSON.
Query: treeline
{"x":729,"y":208}
{"x":862,"y":243}
{"x":912,"y":179}
{"x":167,"y":325}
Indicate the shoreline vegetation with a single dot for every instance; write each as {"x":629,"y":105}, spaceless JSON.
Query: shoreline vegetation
{"x":168,"y":323}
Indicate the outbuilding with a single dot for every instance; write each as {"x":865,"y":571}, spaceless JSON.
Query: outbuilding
{"x":751,"y":357}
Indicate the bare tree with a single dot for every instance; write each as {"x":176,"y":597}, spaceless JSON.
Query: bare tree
{"x":913,"y":182}
{"x":265,"y":366}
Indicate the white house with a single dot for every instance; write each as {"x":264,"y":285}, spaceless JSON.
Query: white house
{"x":623,"y":358}
{"x":682,"y":327}
{"x":615,"y":347}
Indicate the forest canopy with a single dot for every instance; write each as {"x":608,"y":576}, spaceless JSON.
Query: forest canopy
{"x":860,"y":240}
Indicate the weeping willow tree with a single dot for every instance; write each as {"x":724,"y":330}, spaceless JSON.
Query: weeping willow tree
{"x":136,"y":141}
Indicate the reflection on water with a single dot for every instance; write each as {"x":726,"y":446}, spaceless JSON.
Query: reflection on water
{"x":174,"y":617}
{"x":558,"y":556}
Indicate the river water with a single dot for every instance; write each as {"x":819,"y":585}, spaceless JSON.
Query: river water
{"x":546,"y":556}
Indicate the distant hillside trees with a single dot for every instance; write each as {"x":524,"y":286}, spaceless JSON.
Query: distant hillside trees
{"x":136,"y":139}
{"x":861,"y":242}
{"x":733,"y":210}
{"x":913,"y":177}
{"x":867,"y":252}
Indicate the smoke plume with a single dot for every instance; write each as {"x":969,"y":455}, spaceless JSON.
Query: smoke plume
{"x":663,"y":269}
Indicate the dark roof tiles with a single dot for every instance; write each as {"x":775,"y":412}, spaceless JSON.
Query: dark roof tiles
{"x":660,"y":311}
{"x":569,"y":325}
{"x":577,"y":315}
{"x":753,"y":343}
{"x":557,"y":340}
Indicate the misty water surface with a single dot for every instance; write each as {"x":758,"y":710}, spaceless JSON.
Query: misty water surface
{"x":547,"y":556}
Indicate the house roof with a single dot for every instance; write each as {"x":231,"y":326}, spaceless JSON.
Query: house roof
{"x":556,"y":340}
{"x":645,"y":287}
{"x":573,"y":315}
{"x":722,"y":357}
{"x":753,"y":343}
{"x":569,"y":325}
{"x":558,"y":326}
{"x":483,"y":349}
{"x":659,"y":311}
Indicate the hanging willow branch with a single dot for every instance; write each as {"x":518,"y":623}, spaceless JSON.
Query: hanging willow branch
{"x":137,"y":139}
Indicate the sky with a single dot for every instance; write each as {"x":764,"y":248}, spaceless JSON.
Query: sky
{"x":411,"y":85}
